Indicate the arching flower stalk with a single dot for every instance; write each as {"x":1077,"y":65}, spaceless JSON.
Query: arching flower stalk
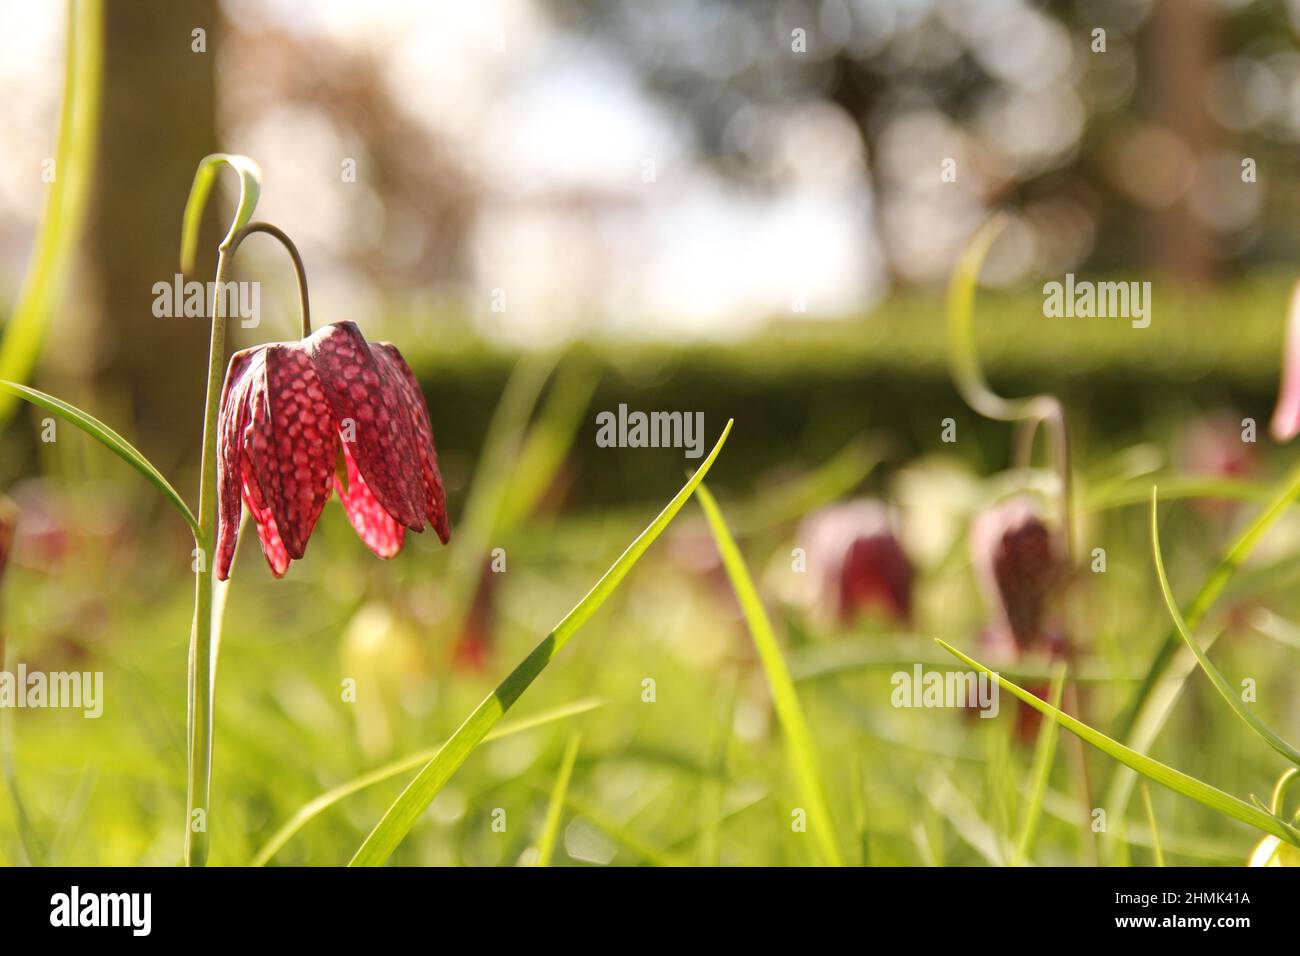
{"x":295,"y":421}
{"x":1026,"y":413}
{"x":289,"y":422}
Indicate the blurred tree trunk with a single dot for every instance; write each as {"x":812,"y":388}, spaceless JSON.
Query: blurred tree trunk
{"x":1180,"y":50}
{"x":159,"y":120}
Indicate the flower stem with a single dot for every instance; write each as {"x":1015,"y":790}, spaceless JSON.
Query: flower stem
{"x":279,"y":235}
{"x":199,"y":787}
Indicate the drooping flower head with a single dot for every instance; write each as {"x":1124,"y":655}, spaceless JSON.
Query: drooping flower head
{"x":1019,"y":565}
{"x":330,"y":411}
{"x":1021,"y":569}
{"x":858,"y":562}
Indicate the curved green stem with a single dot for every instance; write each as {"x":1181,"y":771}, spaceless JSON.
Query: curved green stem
{"x":199,"y":788}
{"x":1278,"y":802}
{"x":968,"y":376}
{"x":200,"y":685}
{"x":277,"y":233}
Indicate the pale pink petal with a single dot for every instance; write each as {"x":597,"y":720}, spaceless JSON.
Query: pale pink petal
{"x":1286,"y":417}
{"x":377,"y":528}
{"x":245,"y":367}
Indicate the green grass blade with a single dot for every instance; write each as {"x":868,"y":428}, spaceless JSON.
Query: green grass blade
{"x":1044,"y":751}
{"x":1278,"y":802}
{"x":1162,"y":774}
{"x":110,"y":439}
{"x":555,"y":809}
{"x":1172,"y":488}
{"x":401,"y":816}
{"x":543,"y":451}
{"x":1151,"y":822}
{"x":494,"y":475}
{"x":1070,"y":810}
{"x":636,"y":845}
{"x":798,"y":738}
{"x":965,"y":820}
{"x":66,"y":201}
{"x":1153,"y":697}
{"x":1211,"y":589}
{"x":314,"y":808}
{"x":30,"y":842}
{"x":1216,"y":678}
{"x":250,"y":188}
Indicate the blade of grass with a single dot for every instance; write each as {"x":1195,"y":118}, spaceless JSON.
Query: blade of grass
{"x":401,"y":816}
{"x":715,"y":784}
{"x":1154,"y":696}
{"x":108,"y":438}
{"x":860,"y":821}
{"x":555,"y":810}
{"x":1162,"y":774}
{"x":798,"y":738}
{"x":490,"y":487}
{"x":1154,"y":715}
{"x":624,"y":837}
{"x":1212,"y":588}
{"x":965,"y":820}
{"x":314,"y":808}
{"x":66,"y":202}
{"x":543,"y":450}
{"x":1173,"y":487}
{"x":1044,"y":751}
{"x":1272,"y":626}
{"x":1151,"y":822}
{"x":1070,"y":810}
{"x":879,"y":652}
{"x":1217,"y":679}
{"x":30,"y":841}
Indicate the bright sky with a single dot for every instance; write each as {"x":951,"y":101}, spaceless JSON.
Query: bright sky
{"x":670,"y":248}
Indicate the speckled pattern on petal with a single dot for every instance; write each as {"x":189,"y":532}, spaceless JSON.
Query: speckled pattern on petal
{"x":377,"y":529}
{"x":411,"y":399}
{"x":267,"y":532}
{"x":244,"y":368}
{"x":361,"y":392}
{"x":293,"y":445}
{"x":285,"y":409}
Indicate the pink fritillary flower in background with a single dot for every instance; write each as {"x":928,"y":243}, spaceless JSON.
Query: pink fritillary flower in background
{"x":1021,"y":569}
{"x":1286,"y":416}
{"x":1214,"y":446}
{"x":859,"y":564}
{"x":329,"y":412}
{"x":1019,"y":565}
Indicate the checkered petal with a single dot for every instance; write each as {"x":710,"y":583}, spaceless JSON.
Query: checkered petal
{"x":366,"y":408}
{"x":293,"y":444}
